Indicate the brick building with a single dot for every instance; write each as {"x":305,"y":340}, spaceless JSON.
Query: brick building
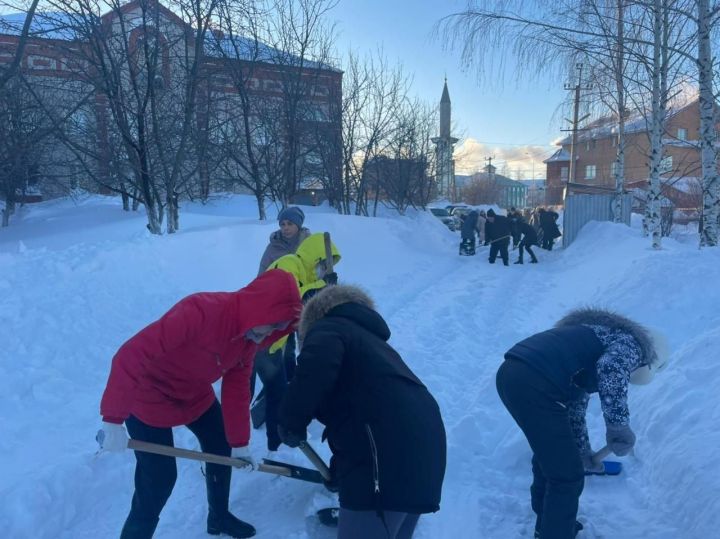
{"x":596,"y":153}
{"x":54,"y":61}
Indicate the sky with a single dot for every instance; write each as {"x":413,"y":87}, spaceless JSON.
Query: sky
{"x":513,"y":122}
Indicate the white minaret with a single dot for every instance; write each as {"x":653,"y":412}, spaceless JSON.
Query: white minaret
{"x":445,"y":174}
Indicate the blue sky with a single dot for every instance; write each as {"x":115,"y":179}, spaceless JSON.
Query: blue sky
{"x":518,"y":115}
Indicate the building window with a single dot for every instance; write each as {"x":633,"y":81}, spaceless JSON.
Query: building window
{"x":614,"y":168}
{"x":590,"y":172}
{"x":587,"y":145}
{"x":564,"y":173}
{"x":682,"y":133}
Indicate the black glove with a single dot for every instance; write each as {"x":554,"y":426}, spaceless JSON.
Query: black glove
{"x":291,"y":439}
{"x":330,"y":278}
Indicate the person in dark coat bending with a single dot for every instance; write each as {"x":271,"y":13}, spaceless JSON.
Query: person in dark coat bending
{"x":545,"y":384}
{"x":529,"y":238}
{"x":382,"y":424}
{"x":498,"y":233}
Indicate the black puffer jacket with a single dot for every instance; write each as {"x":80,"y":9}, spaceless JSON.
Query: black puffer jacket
{"x":383,"y":426}
{"x":499,"y":228}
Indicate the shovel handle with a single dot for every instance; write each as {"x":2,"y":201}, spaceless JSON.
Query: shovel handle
{"x":598,"y":457}
{"x":168,"y":451}
{"x":328,"y":253}
{"x":316,"y":459}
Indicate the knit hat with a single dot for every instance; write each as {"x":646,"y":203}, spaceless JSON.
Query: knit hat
{"x":491,"y":213}
{"x":293,"y":214}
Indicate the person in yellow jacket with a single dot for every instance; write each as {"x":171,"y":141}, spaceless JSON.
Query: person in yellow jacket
{"x":275,"y":366}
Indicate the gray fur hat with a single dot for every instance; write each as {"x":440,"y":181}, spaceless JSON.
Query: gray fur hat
{"x":654,"y":351}
{"x":330,"y":296}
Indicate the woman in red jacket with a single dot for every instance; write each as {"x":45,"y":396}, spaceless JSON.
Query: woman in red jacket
{"x":162,"y":378}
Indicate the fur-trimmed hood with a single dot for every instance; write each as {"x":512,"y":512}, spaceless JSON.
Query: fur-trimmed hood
{"x":328,"y":298}
{"x":602,"y":317}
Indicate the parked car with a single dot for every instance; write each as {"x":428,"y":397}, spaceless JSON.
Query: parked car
{"x":444,"y":216}
{"x":458,"y":213}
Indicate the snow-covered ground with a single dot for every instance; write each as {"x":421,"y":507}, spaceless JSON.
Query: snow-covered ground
{"x":77,"y":280}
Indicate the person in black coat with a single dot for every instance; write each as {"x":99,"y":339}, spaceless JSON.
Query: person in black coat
{"x":529,"y":238}
{"x":545,"y":383}
{"x":382,"y":424}
{"x":497,"y":234}
{"x":548,"y":223}
{"x":467,"y":233}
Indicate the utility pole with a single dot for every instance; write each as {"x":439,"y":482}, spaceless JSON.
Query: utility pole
{"x":575,"y":122}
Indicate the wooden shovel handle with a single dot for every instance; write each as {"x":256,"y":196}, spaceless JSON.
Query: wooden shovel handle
{"x":168,"y":451}
{"x":316,"y":459}
{"x":328,"y":253}
{"x":598,"y":457}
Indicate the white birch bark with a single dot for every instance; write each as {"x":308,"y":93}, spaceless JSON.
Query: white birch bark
{"x":708,"y":136}
{"x":651,"y":225}
{"x":620,"y":89}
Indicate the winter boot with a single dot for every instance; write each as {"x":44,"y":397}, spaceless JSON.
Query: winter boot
{"x":519,"y":262}
{"x":534,"y":261}
{"x":228,"y":524}
{"x":220,"y":520}
{"x":578,"y":527}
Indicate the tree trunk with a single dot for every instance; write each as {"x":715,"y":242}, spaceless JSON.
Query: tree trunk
{"x":260,"y":199}
{"x":657,"y":123}
{"x":620,"y":89}
{"x":708,"y":136}
{"x":8,"y":211}
{"x":173,"y":213}
{"x":125,"y":197}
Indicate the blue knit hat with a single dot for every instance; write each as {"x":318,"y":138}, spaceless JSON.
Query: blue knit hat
{"x":293,"y":214}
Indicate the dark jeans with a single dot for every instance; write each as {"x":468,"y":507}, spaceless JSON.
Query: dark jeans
{"x":526,"y":247}
{"x":271,"y":370}
{"x":558,"y":475}
{"x":548,"y":241}
{"x":499,"y":246}
{"x":155,"y":475}
{"x":290,"y":359}
{"x":368,"y":525}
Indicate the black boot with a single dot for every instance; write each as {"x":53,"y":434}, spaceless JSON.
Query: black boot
{"x":519,"y":262}
{"x":228,"y":525}
{"x":534,"y":261}
{"x":220,"y":520}
{"x":578,"y":526}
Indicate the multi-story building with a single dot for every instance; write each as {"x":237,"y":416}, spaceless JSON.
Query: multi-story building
{"x":596,"y":157}
{"x":55,"y":59}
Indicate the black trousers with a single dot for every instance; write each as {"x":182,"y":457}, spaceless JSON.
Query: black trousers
{"x":155,"y":475}
{"x":500,"y":246}
{"x":271,"y":368}
{"x":548,"y":241}
{"x":558,"y":475}
{"x":526,"y":247}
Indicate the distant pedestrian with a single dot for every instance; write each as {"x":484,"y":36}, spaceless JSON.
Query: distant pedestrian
{"x":529,"y":238}
{"x":467,"y":234}
{"x":498,"y":233}
{"x":548,"y":223}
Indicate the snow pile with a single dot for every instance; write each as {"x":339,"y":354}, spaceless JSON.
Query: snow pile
{"x":77,"y":281}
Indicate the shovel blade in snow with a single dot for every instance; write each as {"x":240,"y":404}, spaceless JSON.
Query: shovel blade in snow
{"x":257,"y":410}
{"x":610,"y":467}
{"x":298,"y":472}
{"x":329,"y":516}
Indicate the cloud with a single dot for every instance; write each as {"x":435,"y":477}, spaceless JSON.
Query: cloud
{"x":519,"y":161}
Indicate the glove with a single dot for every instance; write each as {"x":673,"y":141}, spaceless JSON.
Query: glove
{"x":243,"y":453}
{"x":590,"y":465}
{"x":112,"y":437}
{"x":291,"y":439}
{"x":620,"y":439}
{"x":330,"y":278}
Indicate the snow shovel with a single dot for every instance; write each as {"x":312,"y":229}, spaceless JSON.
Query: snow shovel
{"x":609,"y":467}
{"x":275,"y":468}
{"x":329,"y":515}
